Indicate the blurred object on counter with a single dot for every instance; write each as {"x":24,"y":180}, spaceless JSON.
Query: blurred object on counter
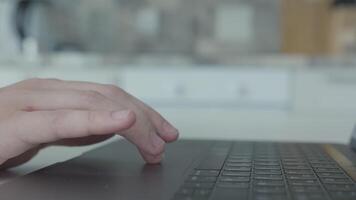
{"x":196,"y":29}
{"x":185,"y":31}
{"x":319,"y":27}
{"x":227,"y":28}
{"x":27,"y":20}
{"x":8,"y":43}
{"x":305,"y":26}
{"x":114,"y":26}
{"x":343,"y":28}
{"x":344,"y":2}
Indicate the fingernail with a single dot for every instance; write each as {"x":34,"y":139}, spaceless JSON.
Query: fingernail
{"x":168,"y":128}
{"x":120,"y":115}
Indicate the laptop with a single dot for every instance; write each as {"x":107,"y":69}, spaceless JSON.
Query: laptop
{"x":198,"y":170}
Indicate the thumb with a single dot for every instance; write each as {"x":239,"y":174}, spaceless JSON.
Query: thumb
{"x":26,"y":130}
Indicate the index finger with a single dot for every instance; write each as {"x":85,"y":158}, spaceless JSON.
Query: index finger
{"x":29,"y":129}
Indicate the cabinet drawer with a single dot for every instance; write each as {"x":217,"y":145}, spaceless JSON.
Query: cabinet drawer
{"x":327,"y":91}
{"x":209,"y":86}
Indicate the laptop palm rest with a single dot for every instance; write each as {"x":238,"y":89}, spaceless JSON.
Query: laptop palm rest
{"x":115,"y":171}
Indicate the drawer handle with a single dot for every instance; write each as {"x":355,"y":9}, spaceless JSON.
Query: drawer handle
{"x":180,"y":90}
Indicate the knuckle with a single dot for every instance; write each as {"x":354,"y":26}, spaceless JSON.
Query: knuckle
{"x":56,"y":124}
{"x":91,"y":117}
{"x":92,"y":97}
{"x":111,"y":90}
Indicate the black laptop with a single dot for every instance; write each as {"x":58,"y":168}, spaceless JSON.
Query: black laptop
{"x":198,"y":170}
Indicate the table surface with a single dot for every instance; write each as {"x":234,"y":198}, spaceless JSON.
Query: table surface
{"x":231,"y":124}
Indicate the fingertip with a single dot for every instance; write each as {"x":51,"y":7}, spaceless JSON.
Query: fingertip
{"x":152,"y":160}
{"x":170,"y":132}
{"x":169,"y":129}
{"x":173,"y":138}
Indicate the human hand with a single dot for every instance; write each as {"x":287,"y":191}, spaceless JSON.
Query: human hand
{"x":40,"y":112}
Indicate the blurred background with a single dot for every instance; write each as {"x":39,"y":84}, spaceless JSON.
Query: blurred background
{"x":240,"y":69}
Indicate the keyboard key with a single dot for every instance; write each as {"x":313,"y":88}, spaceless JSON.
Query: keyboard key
{"x":291,"y":172}
{"x":268,"y":183}
{"x":266,"y":155}
{"x":221,"y":193}
{"x":205,"y":173}
{"x":269,"y":197}
{"x":239,"y":156}
{"x":240,"y":185}
{"x":234,"y":173}
{"x":238,"y":165}
{"x":238,"y":169}
{"x":306,"y":189}
{"x":344,"y":195}
{"x":332,"y":175}
{"x":335,"y":170}
{"x":266,"y":160}
{"x":262,"y":167}
{"x":234,"y":179}
{"x":294,"y":160}
{"x":268,"y":171}
{"x":309,"y":196}
{"x":340,"y":187}
{"x":201,"y":179}
{"x":301,"y":177}
{"x":303,"y":182}
{"x":270,"y":189}
{"x":297,"y":167}
{"x":267,"y":163}
{"x":268,"y":177}
{"x":320,"y":161}
{"x":327,"y":165}
{"x":336,"y":180}
{"x":242,"y":160}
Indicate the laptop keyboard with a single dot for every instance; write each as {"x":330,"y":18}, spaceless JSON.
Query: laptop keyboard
{"x":267,"y":171}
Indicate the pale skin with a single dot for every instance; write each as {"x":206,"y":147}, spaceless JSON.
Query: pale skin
{"x":36,"y":113}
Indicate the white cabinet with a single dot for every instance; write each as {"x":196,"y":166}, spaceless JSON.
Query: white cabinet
{"x":326,"y":91}
{"x":10,"y":76}
{"x":209,"y":87}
